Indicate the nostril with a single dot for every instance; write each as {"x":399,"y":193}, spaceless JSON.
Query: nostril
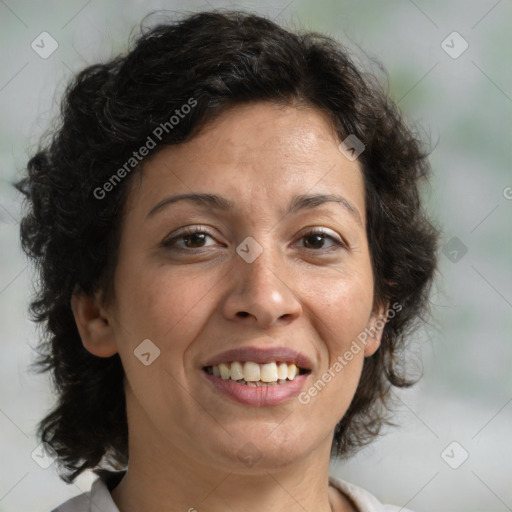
{"x":243,"y":313}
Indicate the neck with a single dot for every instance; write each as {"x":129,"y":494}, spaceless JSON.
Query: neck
{"x":180,"y":486}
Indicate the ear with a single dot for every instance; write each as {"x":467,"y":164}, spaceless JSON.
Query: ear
{"x":93,"y":324}
{"x":375,"y":328}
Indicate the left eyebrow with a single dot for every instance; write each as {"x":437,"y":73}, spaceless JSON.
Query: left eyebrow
{"x":304,"y":202}
{"x":299,"y":202}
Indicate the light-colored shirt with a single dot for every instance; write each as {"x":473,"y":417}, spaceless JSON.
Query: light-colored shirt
{"x":99,"y":499}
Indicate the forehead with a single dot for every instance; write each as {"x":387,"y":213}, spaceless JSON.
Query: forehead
{"x":258,"y":151}
{"x":264,"y":131}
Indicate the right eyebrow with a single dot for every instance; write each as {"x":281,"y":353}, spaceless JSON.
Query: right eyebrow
{"x":207,"y":200}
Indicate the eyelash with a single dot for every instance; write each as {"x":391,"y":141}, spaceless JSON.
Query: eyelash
{"x":200,"y":230}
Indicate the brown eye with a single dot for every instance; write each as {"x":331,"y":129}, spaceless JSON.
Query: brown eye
{"x":315,"y":239}
{"x":191,"y":238}
{"x":194,"y":240}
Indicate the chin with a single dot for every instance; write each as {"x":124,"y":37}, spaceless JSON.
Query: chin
{"x":245,"y":453}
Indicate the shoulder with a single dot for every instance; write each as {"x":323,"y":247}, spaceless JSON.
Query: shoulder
{"x":98,"y":499}
{"x":362,"y":499}
{"x":77,"y":504}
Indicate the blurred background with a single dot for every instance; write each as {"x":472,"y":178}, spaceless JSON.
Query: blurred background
{"x":449,"y":68}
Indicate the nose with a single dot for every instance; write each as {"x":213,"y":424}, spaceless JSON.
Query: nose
{"x":262,"y":292}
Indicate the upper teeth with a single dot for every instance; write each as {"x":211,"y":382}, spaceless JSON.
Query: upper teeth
{"x":253,"y":372}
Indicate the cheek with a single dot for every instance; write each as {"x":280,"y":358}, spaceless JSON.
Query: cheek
{"x":169,"y":306}
{"x":163,"y":303}
{"x":341,"y":309}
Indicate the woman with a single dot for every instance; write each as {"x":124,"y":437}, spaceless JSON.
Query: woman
{"x":232,"y":250}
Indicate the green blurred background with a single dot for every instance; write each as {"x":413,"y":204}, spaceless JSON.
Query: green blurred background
{"x":464,"y":106}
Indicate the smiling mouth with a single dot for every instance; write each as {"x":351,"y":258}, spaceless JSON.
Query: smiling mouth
{"x":249,"y":373}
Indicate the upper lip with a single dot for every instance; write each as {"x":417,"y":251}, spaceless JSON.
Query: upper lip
{"x":261,"y":355}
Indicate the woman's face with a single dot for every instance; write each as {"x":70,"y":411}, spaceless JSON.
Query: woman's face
{"x":257,"y":274}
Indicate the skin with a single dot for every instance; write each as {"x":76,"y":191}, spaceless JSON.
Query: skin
{"x":308,"y":294}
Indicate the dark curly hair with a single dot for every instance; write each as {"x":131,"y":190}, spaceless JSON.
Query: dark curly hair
{"x":220,"y":59}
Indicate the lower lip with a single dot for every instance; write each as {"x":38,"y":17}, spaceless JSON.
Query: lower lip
{"x":258,"y":396}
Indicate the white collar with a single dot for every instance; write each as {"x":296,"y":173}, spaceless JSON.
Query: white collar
{"x":99,"y":499}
